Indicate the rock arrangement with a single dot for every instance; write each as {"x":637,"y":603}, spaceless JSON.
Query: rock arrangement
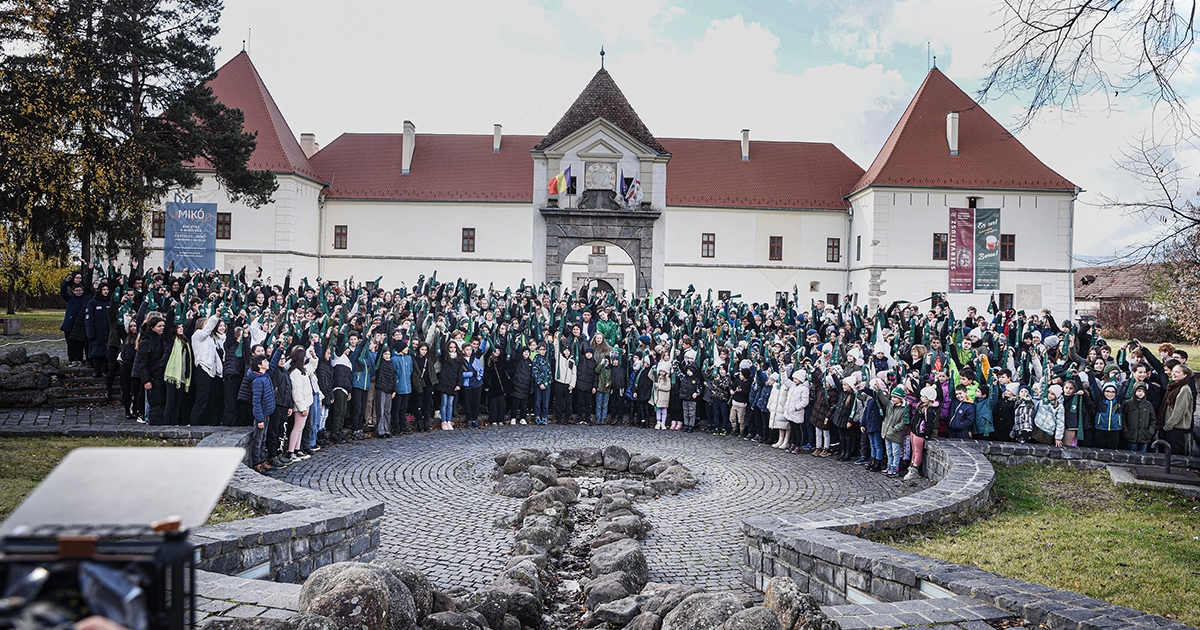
{"x":524,"y":472}
{"x":30,"y":380}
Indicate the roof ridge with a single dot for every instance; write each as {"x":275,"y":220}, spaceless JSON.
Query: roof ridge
{"x":601,"y":98}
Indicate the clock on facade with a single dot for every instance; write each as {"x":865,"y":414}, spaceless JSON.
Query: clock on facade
{"x":600,"y":175}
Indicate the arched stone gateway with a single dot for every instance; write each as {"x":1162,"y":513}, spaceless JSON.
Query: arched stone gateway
{"x":631,"y":230}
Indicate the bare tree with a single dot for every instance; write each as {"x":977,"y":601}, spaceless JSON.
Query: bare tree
{"x":1056,"y":51}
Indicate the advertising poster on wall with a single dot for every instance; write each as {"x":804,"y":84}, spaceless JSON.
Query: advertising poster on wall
{"x":960,"y":251}
{"x":190,"y":234}
{"x":987,"y":249}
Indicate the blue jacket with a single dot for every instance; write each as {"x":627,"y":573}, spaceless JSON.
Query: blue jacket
{"x":472,"y":377}
{"x":363,"y":362}
{"x":983,"y":411}
{"x":262,"y":396}
{"x":96,"y":323}
{"x":962,"y":419}
{"x":1108,"y":414}
{"x":872,"y":419}
{"x":403,"y":366}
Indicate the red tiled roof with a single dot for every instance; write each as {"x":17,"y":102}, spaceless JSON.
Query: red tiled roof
{"x":445,"y":167}
{"x":238,"y":85}
{"x":989,"y":157}
{"x":601,"y":99}
{"x":708,"y":173}
{"x":777,"y":175}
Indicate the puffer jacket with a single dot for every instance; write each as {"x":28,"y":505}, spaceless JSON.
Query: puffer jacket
{"x":1049,"y":418}
{"x":539,"y":370}
{"x":302,"y":391}
{"x":343,"y":374}
{"x":777,"y":402}
{"x":662,"y":392}
{"x":96,"y":322}
{"x":895,"y":417}
{"x":797,"y":402}
{"x":689,"y":383}
{"x":385,"y":378}
{"x":151,"y":360}
{"x":204,"y":347}
{"x":402,"y":367}
{"x":522,"y":378}
{"x":720,"y":387}
{"x":1138,"y":416}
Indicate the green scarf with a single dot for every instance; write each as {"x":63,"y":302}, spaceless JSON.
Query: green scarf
{"x":179,"y":367}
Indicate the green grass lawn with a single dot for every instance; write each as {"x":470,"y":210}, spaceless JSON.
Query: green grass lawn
{"x":26,"y":461}
{"x":1193,"y":352}
{"x":41,"y":323}
{"x":1075,"y":530}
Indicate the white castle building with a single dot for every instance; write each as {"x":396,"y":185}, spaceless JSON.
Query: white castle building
{"x":752,"y":217}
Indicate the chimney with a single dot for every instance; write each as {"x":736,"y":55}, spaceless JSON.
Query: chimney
{"x":495,"y":138}
{"x":410,"y":142}
{"x":952,"y":132}
{"x":308,"y":142}
{"x":745,"y":145}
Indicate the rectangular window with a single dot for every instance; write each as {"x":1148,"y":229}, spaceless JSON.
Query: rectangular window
{"x":708,"y":245}
{"x":224,"y":225}
{"x":858,"y":248}
{"x":158,"y":225}
{"x":1008,"y":247}
{"x":468,"y":240}
{"x":833,"y":250}
{"x":599,"y":250}
{"x":1006,"y":301}
{"x":723,"y":295}
{"x":941,"y":245}
{"x":339,"y":237}
{"x":776,"y":249}
{"x":831,"y":299}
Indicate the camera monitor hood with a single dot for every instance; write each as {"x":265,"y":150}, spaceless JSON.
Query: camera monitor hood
{"x":121,"y":491}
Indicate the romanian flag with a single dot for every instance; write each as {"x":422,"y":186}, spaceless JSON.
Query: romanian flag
{"x":559,"y":183}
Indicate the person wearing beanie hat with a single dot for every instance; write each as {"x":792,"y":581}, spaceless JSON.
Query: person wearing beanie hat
{"x":662,"y":395}
{"x":793,"y":413}
{"x":1049,"y":423}
{"x":1107,"y":433}
{"x":895,"y":418}
{"x":924,"y":423}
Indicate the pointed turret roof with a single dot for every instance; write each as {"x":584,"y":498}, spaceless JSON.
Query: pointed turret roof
{"x":601,"y":99}
{"x":989,"y":157}
{"x":239,"y":85}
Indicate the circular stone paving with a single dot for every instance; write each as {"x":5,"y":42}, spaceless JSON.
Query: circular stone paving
{"x":440,"y":507}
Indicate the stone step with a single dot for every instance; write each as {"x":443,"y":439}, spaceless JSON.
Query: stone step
{"x":913,"y":612}
{"x":79,"y":401}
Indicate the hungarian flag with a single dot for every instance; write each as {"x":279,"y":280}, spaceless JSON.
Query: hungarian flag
{"x":559,"y":183}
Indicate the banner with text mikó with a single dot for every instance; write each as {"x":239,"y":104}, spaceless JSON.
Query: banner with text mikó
{"x":960,"y":251}
{"x":190,"y":235}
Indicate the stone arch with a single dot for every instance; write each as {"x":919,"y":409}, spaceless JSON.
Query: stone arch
{"x":631,"y":231}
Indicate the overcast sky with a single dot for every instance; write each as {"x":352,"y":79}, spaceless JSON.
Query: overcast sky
{"x":813,"y":70}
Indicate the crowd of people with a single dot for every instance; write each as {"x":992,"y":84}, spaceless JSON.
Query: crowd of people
{"x":313,"y":364}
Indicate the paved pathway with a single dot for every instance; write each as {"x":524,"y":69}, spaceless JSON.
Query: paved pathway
{"x":440,"y":508}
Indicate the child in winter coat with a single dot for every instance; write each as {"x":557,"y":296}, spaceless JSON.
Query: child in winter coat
{"x":1023,"y":413}
{"x":662,"y":397}
{"x":895,"y":418}
{"x":962,"y":414}
{"x":1048,"y":422}
{"x":1138,"y":416}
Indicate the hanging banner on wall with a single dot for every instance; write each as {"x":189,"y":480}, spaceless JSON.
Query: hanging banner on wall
{"x":960,"y":251}
{"x":987,"y":249}
{"x":190,"y":234}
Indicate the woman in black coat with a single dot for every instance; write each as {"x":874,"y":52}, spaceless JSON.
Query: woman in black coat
{"x":95,"y":322}
{"x":645,"y":392}
{"x":424,"y":380}
{"x":150,"y":365}
{"x":497,"y":383}
{"x":450,"y":383}
{"x":522,"y":385}
{"x":133,"y":397}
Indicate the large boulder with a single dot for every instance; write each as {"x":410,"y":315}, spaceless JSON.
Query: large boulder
{"x":24,"y":380}
{"x":663,"y":598}
{"x":305,"y":621}
{"x":653,"y":470}
{"x":401,"y":612}
{"x":449,"y":621}
{"x":522,"y":603}
{"x":703,"y":611}
{"x":418,"y":585}
{"x":518,"y":486}
{"x":592,"y":457}
{"x":623,"y":556}
{"x":794,"y":609}
{"x":645,"y":621}
{"x":544,"y":475}
{"x":16,"y":356}
{"x":609,"y":587}
{"x":22,"y":398}
{"x":540,"y":502}
{"x":680,"y":475}
{"x":756,"y":618}
{"x":639,"y":463}
{"x":616,"y":458}
{"x":566,"y":459}
{"x":526,"y":574}
{"x":619,"y":612}
{"x":353,"y":606}
{"x":544,"y":537}
{"x":563,"y":494}
{"x":631,"y":526}
{"x":519,"y":461}
{"x":570,"y":484}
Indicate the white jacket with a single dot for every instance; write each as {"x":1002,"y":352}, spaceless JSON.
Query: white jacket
{"x":302,"y":391}
{"x":204,"y":347}
{"x":797,"y":401}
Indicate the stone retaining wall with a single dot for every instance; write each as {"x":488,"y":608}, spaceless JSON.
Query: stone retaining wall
{"x":821,"y":554}
{"x":305,"y":530}
{"x":1011,"y":453}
